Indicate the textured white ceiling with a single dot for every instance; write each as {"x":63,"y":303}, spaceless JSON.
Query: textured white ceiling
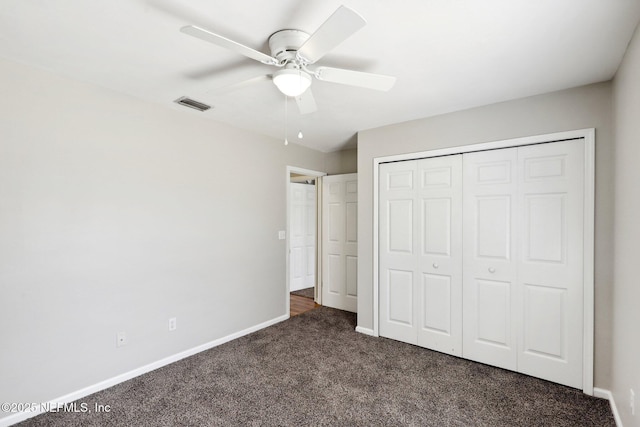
{"x":447,"y":55}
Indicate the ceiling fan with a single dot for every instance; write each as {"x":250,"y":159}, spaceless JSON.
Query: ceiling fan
{"x":293,"y":51}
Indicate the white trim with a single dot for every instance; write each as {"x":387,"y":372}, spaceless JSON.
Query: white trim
{"x":365,"y":331}
{"x":319,"y":247}
{"x":376,"y":252}
{"x":78,"y":394}
{"x":589,"y":192}
{"x":589,"y":261}
{"x":302,"y":171}
{"x":606,"y":394}
{"x":494,"y":145}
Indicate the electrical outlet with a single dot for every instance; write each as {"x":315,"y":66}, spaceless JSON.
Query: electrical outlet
{"x":121,"y":339}
{"x":173,"y":324}
{"x":282,"y":235}
{"x":632,"y":401}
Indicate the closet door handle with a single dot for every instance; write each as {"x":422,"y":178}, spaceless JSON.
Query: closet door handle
{"x":435,"y":265}
{"x":492,"y":270}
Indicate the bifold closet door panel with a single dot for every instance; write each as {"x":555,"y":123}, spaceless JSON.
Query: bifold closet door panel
{"x":490,"y":262}
{"x":550,"y":261}
{"x":398,"y":251}
{"x":420,"y":244}
{"x":439,"y":268}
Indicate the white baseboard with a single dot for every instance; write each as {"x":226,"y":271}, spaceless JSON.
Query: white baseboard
{"x":365,"y":331}
{"x":606,"y":394}
{"x":73,"y":396}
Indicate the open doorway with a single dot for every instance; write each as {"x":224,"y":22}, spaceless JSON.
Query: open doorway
{"x":303,"y":239}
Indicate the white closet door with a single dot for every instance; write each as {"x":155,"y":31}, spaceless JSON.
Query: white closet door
{"x":439,"y":267}
{"x":503,"y":285}
{"x":490,"y":263}
{"x":302,"y":236}
{"x":398,"y":251}
{"x":421,"y":252}
{"x":339,"y":242}
{"x":550,"y":261}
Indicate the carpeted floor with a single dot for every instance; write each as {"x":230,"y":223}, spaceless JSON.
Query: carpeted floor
{"x":307,"y":293}
{"x":314,"y":369}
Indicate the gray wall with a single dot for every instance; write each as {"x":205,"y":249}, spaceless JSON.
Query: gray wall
{"x":626,"y":289}
{"x":117,"y":214}
{"x":341,"y":162}
{"x":583,"y":107}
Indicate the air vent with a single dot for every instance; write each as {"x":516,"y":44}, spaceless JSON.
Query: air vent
{"x":188,"y":102}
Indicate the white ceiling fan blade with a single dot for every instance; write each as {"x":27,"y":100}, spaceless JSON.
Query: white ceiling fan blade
{"x":336,"y":29}
{"x":355,"y":78}
{"x":306,"y":102}
{"x":219,"y":40}
{"x":238,"y":85}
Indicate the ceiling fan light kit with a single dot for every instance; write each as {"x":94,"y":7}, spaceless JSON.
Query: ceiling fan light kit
{"x":292,"y":82}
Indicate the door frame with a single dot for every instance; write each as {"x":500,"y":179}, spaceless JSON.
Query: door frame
{"x":588,"y":230}
{"x":317,"y":174}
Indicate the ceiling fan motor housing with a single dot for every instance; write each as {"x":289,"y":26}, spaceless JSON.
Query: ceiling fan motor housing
{"x":285,"y":43}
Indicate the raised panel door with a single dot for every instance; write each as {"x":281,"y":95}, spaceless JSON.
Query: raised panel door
{"x":550,"y":261}
{"x":302,"y":235}
{"x":340,"y":245}
{"x":490,"y":222}
{"x":398,"y":251}
{"x":439,"y":261}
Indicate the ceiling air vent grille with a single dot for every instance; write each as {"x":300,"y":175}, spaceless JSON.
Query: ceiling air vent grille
{"x":188,"y":102}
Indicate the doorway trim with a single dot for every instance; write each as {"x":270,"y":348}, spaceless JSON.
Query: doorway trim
{"x":317,"y":174}
{"x":588,"y":231}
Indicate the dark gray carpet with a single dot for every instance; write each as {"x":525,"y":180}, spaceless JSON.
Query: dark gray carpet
{"x":314,"y":369}
{"x":307,"y":293}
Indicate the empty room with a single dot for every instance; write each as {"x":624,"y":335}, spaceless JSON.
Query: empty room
{"x":319,"y":212}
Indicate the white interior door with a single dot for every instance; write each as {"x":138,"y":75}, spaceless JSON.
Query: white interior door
{"x":490,"y":264}
{"x":339,"y":241}
{"x":550,"y":261}
{"x":398,"y":251}
{"x":439,"y":267}
{"x":421,"y":252}
{"x":302,"y":236}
